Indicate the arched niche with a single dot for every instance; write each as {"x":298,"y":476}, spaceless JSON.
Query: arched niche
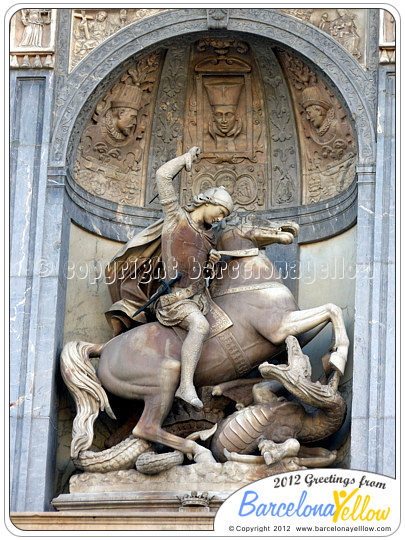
{"x":90,"y":80}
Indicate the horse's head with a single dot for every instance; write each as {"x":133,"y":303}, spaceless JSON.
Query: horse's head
{"x":243,"y":231}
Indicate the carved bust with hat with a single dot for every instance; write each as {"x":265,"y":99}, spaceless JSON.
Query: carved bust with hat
{"x":223,"y":96}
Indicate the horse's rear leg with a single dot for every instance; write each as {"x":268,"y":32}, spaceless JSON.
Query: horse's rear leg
{"x":157,"y":407}
{"x":296,"y":322}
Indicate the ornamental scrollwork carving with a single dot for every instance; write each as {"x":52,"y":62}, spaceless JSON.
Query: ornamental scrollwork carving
{"x":284,"y":161}
{"x":168,"y":120}
{"x":110,"y":160}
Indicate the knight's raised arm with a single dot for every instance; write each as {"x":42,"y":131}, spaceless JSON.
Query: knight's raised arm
{"x":166,"y":173}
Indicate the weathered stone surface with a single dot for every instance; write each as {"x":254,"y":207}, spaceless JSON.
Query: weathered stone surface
{"x":112,"y":156}
{"x":373,"y":432}
{"x":105,"y":514}
{"x":222,"y":477}
{"x":32,"y":38}
{"x":38,"y":224}
{"x":168,"y":118}
{"x":308,"y":40}
{"x":327,"y":142}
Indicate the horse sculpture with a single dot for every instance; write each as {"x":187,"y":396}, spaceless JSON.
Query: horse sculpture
{"x":143,"y":363}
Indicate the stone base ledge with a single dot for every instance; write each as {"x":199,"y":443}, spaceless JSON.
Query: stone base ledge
{"x":104,"y":521}
{"x":146,"y":502}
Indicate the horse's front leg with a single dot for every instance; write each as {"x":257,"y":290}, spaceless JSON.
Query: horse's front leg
{"x":296,"y":322}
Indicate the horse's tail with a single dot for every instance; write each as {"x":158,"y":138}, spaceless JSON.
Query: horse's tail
{"x":89,"y":396}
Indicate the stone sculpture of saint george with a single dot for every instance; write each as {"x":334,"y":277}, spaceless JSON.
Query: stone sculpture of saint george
{"x":249,"y":316}
{"x":188,"y":243}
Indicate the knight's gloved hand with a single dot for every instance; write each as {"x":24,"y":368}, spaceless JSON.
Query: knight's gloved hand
{"x":191,"y":156}
{"x":214,"y":256}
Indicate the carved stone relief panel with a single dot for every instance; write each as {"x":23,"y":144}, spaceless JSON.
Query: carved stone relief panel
{"x":90,"y":27}
{"x":225,"y":116}
{"x":387,"y":37}
{"x":387,"y":34}
{"x":328,"y":146}
{"x":110,"y":160}
{"x":346,"y":26}
{"x":168,"y":118}
{"x":32,"y":38}
{"x":285,"y":169}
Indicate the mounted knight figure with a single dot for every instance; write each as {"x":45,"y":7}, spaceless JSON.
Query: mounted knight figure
{"x":212,"y":339}
{"x":186,"y":241}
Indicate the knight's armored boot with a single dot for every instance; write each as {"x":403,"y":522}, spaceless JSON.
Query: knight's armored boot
{"x":190,"y":354}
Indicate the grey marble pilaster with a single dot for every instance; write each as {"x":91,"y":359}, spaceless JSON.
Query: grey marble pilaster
{"x":37,"y":293}
{"x":373,"y":416}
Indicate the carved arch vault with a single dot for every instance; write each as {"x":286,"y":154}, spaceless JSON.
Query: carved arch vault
{"x":89,"y":81}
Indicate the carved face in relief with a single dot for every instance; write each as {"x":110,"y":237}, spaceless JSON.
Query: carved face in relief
{"x":101,"y":16}
{"x":342,"y":13}
{"x":316,"y":114}
{"x":225,"y":118}
{"x":125,"y":119}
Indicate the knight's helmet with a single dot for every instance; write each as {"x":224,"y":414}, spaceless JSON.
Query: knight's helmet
{"x":216,"y":195}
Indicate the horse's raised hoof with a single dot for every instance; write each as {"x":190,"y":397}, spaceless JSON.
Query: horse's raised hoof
{"x":197,"y":403}
{"x":337,"y":361}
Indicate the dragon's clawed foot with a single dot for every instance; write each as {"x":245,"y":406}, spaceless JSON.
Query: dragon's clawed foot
{"x":203,"y":455}
{"x":273,"y":452}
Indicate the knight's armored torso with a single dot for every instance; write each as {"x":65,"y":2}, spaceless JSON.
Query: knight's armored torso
{"x":185,"y":249}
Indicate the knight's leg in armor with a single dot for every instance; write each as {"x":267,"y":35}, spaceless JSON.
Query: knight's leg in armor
{"x":198,"y":329}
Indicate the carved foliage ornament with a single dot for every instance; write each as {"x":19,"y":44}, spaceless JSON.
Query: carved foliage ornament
{"x":168,"y":120}
{"x":217,"y":18}
{"x":285,"y":166}
{"x":328,"y":147}
{"x":110,"y":161}
{"x":225,"y":117}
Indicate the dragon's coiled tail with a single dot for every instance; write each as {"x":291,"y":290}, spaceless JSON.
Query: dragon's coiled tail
{"x":122,"y":456}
